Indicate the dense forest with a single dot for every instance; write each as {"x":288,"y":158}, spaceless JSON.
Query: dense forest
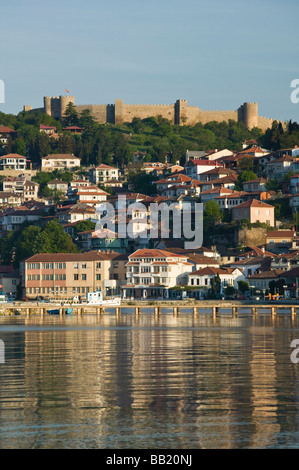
{"x":154,"y":138}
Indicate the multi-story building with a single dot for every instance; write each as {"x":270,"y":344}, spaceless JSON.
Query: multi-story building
{"x":49,"y":130}
{"x":58,"y":185}
{"x":103,"y":173}
{"x":227,"y":201}
{"x":151,"y":272}
{"x":255,"y":185}
{"x":60,"y":162}
{"x":280,"y":241}
{"x":13,"y":161}
{"x":66,"y":275}
{"x":254,"y":211}
{"x":278,"y":168}
{"x":194,"y":168}
{"x":13,"y":220}
{"x":6,"y":133}
{"x":26,"y":189}
{"x":203,"y":278}
{"x":9,"y":199}
{"x":89,"y":195}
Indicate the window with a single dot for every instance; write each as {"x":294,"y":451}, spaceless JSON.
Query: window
{"x":76,"y":265}
{"x":60,"y":265}
{"x":33,"y":277}
{"x":33,"y":266}
{"x":98,"y":265}
{"x":60,"y":277}
{"x":83,"y":277}
{"x":83,"y":266}
{"x":76,"y":277}
{"x":98,"y":277}
{"x":47,"y":265}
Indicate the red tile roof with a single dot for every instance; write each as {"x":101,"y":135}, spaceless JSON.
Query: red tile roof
{"x":6,"y":130}
{"x":154,"y":253}
{"x":253,"y":203}
{"x":204,"y":162}
{"x":281,"y":233}
{"x":210,"y":271}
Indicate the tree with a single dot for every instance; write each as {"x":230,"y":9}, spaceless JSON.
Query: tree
{"x":246,"y":175}
{"x":243,"y":286}
{"x":212,"y":215}
{"x":19,"y":146}
{"x":24,"y":243}
{"x":246,"y":163}
{"x":84,"y":226}
{"x":86,"y":120}
{"x":136,"y":125}
{"x":53,"y":239}
{"x":141,"y":182}
{"x":70,"y":116}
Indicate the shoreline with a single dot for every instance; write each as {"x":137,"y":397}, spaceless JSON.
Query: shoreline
{"x":155,"y":307}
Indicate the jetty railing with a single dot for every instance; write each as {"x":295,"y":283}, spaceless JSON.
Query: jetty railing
{"x":143,"y":308}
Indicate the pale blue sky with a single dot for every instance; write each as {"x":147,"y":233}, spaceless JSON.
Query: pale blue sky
{"x":216,"y":54}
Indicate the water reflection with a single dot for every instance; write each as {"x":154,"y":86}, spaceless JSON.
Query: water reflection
{"x":146,"y":381}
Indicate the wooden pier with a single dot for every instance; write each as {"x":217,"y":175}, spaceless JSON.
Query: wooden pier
{"x":197,"y":308}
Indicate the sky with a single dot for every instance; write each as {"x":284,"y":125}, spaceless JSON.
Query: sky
{"x":216,"y":54}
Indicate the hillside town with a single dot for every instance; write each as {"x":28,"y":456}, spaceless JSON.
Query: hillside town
{"x":55,"y":247}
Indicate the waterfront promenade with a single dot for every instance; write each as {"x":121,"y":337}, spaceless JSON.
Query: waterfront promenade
{"x":214,"y":307}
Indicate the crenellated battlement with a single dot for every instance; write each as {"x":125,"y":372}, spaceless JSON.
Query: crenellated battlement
{"x":178,"y":112}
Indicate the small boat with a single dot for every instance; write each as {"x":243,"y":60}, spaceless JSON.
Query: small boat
{"x":96,"y":299}
{"x":56,"y":311}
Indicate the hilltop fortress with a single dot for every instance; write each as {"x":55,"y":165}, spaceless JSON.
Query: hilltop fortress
{"x":178,"y":113}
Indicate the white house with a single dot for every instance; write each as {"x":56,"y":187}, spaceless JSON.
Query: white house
{"x":103,"y":173}
{"x":228,"y":277}
{"x":89,"y":195}
{"x":60,"y":162}
{"x":13,"y":161}
{"x":151,"y":272}
{"x":194,"y":167}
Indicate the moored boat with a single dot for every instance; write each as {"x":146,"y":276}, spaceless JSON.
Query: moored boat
{"x":56,"y":311}
{"x":96,"y":299}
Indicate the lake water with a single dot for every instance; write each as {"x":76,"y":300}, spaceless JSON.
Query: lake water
{"x":149,"y":382}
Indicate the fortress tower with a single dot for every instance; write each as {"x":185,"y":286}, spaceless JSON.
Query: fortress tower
{"x":248,"y":113}
{"x":179,"y":113}
{"x":55,"y":106}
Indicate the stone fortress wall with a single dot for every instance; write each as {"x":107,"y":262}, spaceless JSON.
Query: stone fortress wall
{"x":178,"y":113}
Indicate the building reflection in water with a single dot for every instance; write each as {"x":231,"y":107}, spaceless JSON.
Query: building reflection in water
{"x":148,"y":382}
